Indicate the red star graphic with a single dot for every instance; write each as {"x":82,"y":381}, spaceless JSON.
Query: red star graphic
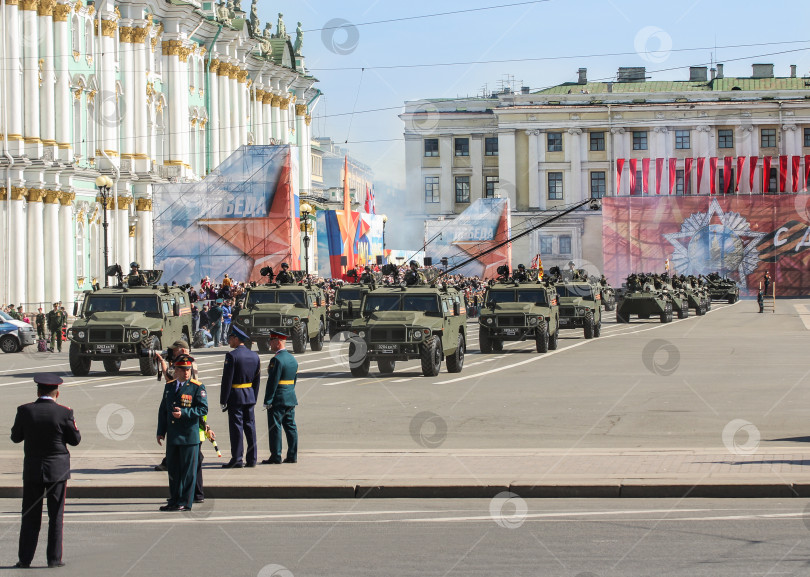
{"x":502,"y":255}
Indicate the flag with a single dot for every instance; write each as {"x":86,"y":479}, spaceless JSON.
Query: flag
{"x":687,"y":175}
{"x":783,"y":162}
{"x":672,"y":173}
{"x":659,"y":169}
{"x":726,"y":173}
{"x":645,"y":176}
{"x":367,"y":206}
{"x":713,"y":175}
{"x":619,"y":167}
{"x":752,"y":167}
{"x":633,"y":166}
{"x":700,"y":160}
{"x":766,"y":173}
{"x":795,"y":172}
{"x":806,"y":172}
{"x":740,"y":164}
{"x":348,"y":242}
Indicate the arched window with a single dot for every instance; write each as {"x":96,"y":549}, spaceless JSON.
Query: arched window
{"x":200,"y":73}
{"x":80,"y":248}
{"x":160,"y":133}
{"x":75,"y":36}
{"x":78,"y":149}
{"x":158,"y":52}
{"x":89,"y":39}
{"x":191,"y":76}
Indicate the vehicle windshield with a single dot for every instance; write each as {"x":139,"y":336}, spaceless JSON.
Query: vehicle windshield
{"x":141,"y":304}
{"x":349,"y":294}
{"x":501,"y":296}
{"x":375,"y":303}
{"x":575,"y":290}
{"x":4,"y":316}
{"x":420,"y":303}
{"x":537,"y":296}
{"x":102,"y":304}
{"x":260,"y":297}
{"x":270,"y":297}
{"x":292,"y":299}
{"x":135,"y":304}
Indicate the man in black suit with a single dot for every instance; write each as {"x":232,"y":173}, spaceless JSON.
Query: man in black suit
{"x":46,"y":427}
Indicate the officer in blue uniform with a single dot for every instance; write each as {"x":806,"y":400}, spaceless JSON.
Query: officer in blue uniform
{"x":280,"y":400}
{"x":238,"y":395}
{"x":184,"y":403}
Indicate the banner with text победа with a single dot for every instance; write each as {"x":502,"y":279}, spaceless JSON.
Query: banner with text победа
{"x":741,"y":237}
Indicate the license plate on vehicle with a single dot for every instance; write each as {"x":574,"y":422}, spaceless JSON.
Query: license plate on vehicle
{"x":386,"y":348}
{"x":510,"y":332}
{"x":563,"y":322}
{"x":104,"y":348}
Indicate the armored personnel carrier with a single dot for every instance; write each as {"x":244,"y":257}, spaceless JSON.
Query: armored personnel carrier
{"x":517,"y":311}
{"x":697,"y":296}
{"x":722,"y":288}
{"x":399,"y":322}
{"x":122,"y":322}
{"x":346,"y":308}
{"x":580,"y":301}
{"x":640,"y":297}
{"x":296,"y":309}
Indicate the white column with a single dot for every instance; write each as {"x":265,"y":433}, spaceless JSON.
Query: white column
{"x":300,"y":139}
{"x":275,"y":117}
{"x":143,"y":239}
{"x":574,"y":149}
{"x":534,"y":172}
{"x":17,"y":246}
{"x":177,"y":85}
{"x":30,"y":42}
{"x":447,"y":188}
{"x":258,"y":115}
{"x":35,"y":258}
{"x":122,"y":255}
{"x":108,"y":125}
{"x":244,"y":114}
{"x":507,"y":169}
{"x":47,"y":112}
{"x":52,"y":262}
{"x":283,"y":120}
{"x":183,"y":111}
{"x":137,"y":101}
{"x":233,"y":85}
{"x":63,"y":98}
{"x":67,"y":250}
{"x":267,"y":115}
{"x":15,"y":91}
{"x":213,"y":114}
{"x":225,"y":145}
{"x":131,"y":99}
{"x":542,"y":179}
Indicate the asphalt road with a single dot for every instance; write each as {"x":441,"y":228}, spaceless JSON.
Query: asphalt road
{"x":503,"y":537}
{"x":642,"y":385}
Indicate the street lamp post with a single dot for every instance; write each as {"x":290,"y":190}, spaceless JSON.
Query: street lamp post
{"x":306,"y":210}
{"x":384,"y":219}
{"x":104,"y":184}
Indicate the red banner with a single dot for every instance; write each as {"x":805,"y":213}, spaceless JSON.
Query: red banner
{"x":726,"y":173}
{"x":783,"y":169}
{"x":738,"y":236}
{"x":619,"y":167}
{"x":659,"y":169}
{"x":645,"y":176}
{"x":766,"y":173}
{"x":699,"y":160}
{"x":740,"y":164}
{"x":633,"y":167}
{"x":795,"y":172}
{"x":713,"y":175}
{"x":672,"y":168}
{"x":687,"y":175}
{"x":806,"y":172}
{"x":752,"y":169}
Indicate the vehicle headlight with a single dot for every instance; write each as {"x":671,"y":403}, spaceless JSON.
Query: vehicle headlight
{"x":80,"y":334}
{"x":336,"y":314}
{"x":135,"y":335}
{"x":489,"y":320}
{"x":416,"y":335}
{"x":362,"y":334}
{"x":288,"y":321}
{"x":246,"y":322}
{"x":532,"y":320}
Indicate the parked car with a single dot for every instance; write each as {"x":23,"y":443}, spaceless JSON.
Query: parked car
{"x":15,"y":335}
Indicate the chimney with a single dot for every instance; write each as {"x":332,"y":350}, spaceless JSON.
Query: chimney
{"x":697,"y":74}
{"x":719,"y":72}
{"x":762,"y":71}
{"x":583,"y":76}
{"x":631,"y":74}
{"x":524,"y":89}
{"x":610,"y":87}
{"x":793,"y":71}
{"x":713,"y":73}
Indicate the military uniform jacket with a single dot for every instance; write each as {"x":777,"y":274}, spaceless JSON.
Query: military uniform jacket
{"x":47,"y":428}
{"x":40,"y":320}
{"x":281,"y":378}
{"x":55,"y":320}
{"x":193,"y":402}
{"x":242,"y":366}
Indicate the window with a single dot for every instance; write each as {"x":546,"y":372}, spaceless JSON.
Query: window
{"x":598,"y":184}
{"x":490,"y":185}
{"x":75,"y":36}
{"x":682,"y":140}
{"x":191,"y":73}
{"x":462,"y":146}
{"x":565,"y":244}
{"x":431,"y":189}
{"x":639,"y":140}
{"x":731,"y":183}
{"x":545,"y":245}
{"x":80,"y":249}
{"x":597,"y":140}
{"x":491,"y":146}
{"x":555,"y":185}
{"x":679,"y":183}
{"x":431,"y":147}
{"x":725,"y":138}
{"x":773,"y":183}
{"x":807,"y":136}
{"x":77,"y":127}
{"x":554,"y":140}
{"x":462,"y":189}
{"x":89,"y":39}
{"x":767,"y":138}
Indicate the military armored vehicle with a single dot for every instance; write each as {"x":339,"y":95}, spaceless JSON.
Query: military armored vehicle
{"x":607,"y":294}
{"x":722,"y":288}
{"x":697,"y":296}
{"x":517,"y":311}
{"x":296,"y":309}
{"x":399,"y":323}
{"x":340,"y":319}
{"x":640,"y":297}
{"x":118,"y":323}
{"x":580,"y":307}
{"x":673,"y":289}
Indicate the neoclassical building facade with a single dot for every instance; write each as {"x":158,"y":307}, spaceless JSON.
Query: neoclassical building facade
{"x":144,"y":92}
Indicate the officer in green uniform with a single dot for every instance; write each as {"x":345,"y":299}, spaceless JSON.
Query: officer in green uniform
{"x":12,"y":312}
{"x":184,"y":403}
{"x":280,"y":400}
{"x":40,"y":322}
{"x":56,"y":318}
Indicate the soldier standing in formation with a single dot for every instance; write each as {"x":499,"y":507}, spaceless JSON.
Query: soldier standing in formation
{"x":238,"y":395}
{"x":56,"y":318}
{"x":284,"y":277}
{"x":47,"y":428}
{"x":183,"y":405}
{"x":40,"y":322}
{"x":280,"y":400}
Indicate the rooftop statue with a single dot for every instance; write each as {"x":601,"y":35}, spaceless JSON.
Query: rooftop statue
{"x":299,"y":40}
{"x":255,"y":23}
{"x":281,"y":30}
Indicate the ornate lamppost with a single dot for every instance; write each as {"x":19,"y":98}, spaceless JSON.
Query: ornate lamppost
{"x":306,"y":210}
{"x":104,"y":184}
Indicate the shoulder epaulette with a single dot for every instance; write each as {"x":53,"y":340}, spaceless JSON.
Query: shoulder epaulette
{"x":195,"y":382}
{"x":171,"y":382}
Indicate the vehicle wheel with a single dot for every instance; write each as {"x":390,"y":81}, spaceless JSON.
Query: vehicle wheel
{"x":359,"y":362}
{"x":731,"y":300}
{"x":455,"y":362}
{"x":554,"y":340}
{"x":263,"y":346}
{"x":112,"y":366}
{"x":683,"y":312}
{"x":431,"y":355}
{"x":541,"y":339}
{"x":597,"y":329}
{"x":611,"y":306}
{"x":299,"y":338}
{"x":484,"y":342}
{"x":316,"y":343}
{"x":8,"y":344}
{"x":588,"y":329}
{"x":497,"y":345}
{"x":149,"y":366}
{"x":333,"y":333}
{"x":385,"y":366}
{"x":79,"y":366}
{"x":620,"y":318}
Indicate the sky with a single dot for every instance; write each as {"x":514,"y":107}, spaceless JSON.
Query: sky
{"x":361,"y":108}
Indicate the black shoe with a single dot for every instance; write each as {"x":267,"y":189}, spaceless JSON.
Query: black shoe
{"x":54,"y":564}
{"x":233,"y":465}
{"x":250,"y":465}
{"x":200,"y":500}
{"x":169,"y":507}
{"x":183,"y":508}
{"x":161,"y":467}
{"x":21,"y":565}
{"x":270,"y":462}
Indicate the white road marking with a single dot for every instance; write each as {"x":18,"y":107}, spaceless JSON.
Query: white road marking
{"x":804,"y":315}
